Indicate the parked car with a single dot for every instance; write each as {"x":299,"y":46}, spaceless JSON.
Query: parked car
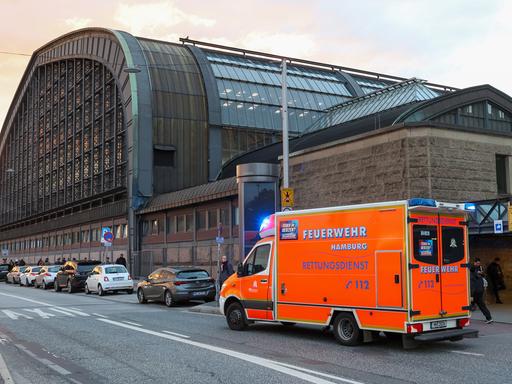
{"x":27,"y":278}
{"x":72,"y":275}
{"x":172,"y":285}
{"x":109,"y":277}
{"x":13,"y":277}
{"x":4,"y":270}
{"x":46,"y":276}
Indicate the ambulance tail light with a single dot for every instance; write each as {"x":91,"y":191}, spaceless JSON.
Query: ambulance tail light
{"x":463,"y":323}
{"x":267,"y":227}
{"x":414,"y":328}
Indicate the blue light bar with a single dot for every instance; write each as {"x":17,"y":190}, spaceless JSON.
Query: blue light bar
{"x":470,"y":207}
{"x":422,"y":202}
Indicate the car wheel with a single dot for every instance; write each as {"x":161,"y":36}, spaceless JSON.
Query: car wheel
{"x":86,"y":289}
{"x":101,"y":292}
{"x":168,"y":299}
{"x":70,"y":287}
{"x":141,"y":297}
{"x":235,"y":316}
{"x":45,"y":287}
{"x":346,"y":330}
{"x":35,"y":284}
{"x":56,"y":286}
{"x":130,"y":291}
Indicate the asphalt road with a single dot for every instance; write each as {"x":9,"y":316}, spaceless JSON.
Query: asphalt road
{"x":48,"y":337}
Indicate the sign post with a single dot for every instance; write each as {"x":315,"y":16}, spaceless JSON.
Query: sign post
{"x":219,"y":240}
{"x":107,"y":237}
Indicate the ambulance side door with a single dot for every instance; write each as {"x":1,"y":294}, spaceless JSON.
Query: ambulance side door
{"x":255,"y":283}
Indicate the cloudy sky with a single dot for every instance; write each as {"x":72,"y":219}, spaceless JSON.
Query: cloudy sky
{"x":454,"y":42}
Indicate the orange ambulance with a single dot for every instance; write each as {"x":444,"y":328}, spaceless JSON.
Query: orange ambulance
{"x":399,"y":267}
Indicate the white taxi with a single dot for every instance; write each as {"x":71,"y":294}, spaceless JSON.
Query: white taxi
{"x":109,"y":277}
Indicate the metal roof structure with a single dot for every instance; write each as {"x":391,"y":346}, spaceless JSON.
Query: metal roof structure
{"x":205,"y":192}
{"x":395,"y":95}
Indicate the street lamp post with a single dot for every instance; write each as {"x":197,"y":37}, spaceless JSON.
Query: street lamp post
{"x":284,"y":112}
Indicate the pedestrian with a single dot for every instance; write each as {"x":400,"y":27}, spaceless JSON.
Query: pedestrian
{"x":63,"y":261}
{"x":58,"y":262}
{"x":477,"y":289}
{"x":46,"y":261}
{"x":22,"y":262}
{"x":121,"y":260}
{"x":226,"y":270}
{"x":496,"y":279}
{"x":40,"y":262}
{"x":107,"y":261}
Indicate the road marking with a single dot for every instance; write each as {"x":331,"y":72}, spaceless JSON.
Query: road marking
{"x":177,"y":334}
{"x":40,"y":312}
{"x":48,"y":363}
{"x":319,"y":373}
{"x":24,"y":298}
{"x":4,"y":372}
{"x":288,"y":369}
{"x":467,"y":353}
{"x":131,"y":323}
{"x":15,"y":315}
{"x":97,"y":314}
{"x":61,"y":311}
{"x":73,"y":311}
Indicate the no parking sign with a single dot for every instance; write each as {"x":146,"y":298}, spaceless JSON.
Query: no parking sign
{"x":107,"y":236}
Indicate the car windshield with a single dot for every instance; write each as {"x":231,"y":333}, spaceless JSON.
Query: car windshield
{"x":115,"y":269}
{"x":85,"y":268}
{"x":36,"y":269}
{"x":54,"y":269}
{"x":22,"y":269}
{"x":198,"y":274}
{"x":4,"y":267}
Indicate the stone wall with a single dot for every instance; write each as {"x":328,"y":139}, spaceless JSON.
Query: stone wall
{"x":400,"y":163}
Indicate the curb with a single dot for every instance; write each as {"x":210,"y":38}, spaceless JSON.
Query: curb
{"x":206,"y":309}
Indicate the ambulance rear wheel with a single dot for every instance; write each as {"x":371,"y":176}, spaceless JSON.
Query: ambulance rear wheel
{"x":346,"y":330}
{"x":235,"y":316}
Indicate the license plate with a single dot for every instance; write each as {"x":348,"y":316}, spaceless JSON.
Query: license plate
{"x":438,"y":324}
{"x":200,"y":293}
{"x":118,"y":278}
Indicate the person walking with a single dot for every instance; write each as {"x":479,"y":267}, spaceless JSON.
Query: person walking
{"x":496,"y":281}
{"x":121,"y":260}
{"x":226,"y":270}
{"x":40,"y":262}
{"x":477,"y":289}
{"x":22,"y":262}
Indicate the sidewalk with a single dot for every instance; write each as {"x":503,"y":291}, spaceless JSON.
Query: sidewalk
{"x":501,"y":313}
{"x":211,"y":308}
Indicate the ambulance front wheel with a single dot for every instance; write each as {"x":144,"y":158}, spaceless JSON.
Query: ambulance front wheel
{"x":235,"y":316}
{"x":346,"y":330}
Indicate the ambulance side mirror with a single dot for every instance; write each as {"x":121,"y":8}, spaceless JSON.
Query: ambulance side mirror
{"x":240,"y":269}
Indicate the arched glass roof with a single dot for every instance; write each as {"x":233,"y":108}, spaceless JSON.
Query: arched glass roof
{"x":250,"y":92}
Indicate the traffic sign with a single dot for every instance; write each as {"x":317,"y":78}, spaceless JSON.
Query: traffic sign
{"x":5,"y":252}
{"x":107,"y":236}
{"x":219,"y":240}
{"x":498,"y":226}
{"x":287,"y":197}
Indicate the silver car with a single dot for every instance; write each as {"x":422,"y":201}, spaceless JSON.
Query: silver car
{"x":46,"y":276}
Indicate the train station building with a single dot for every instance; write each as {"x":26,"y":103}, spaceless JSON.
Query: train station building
{"x":145,"y":137}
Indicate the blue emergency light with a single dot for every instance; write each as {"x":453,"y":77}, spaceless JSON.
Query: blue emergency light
{"x":470,"y":207}
{"x":415,"y":202}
